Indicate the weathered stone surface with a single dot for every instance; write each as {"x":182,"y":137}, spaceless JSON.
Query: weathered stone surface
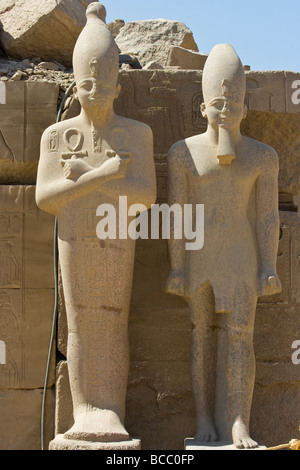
{"x":115,"y":27}
{"x":153,"y":65}
{"x":151,"y":39}
{"x":20,"y":415}
{"x":155,"y":97}
{"x":185,"y":59}
{"x":61,"y":443}
{"x":26,"y":110}
{"x":279,"y":403}
{"x":55,"y":24}
{"x":63,"y":406}
{"x":26,"y":288}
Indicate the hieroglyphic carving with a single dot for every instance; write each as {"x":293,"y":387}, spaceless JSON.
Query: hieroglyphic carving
{"x":9,"y":265}
{"x":25,"y":259}
{"x":53,"y":141}
{"x":11,"y":370}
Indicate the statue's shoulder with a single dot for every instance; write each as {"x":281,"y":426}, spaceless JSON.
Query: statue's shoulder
{"x":265,"y":155}
{"x":52,"y":133}
{"x":137,"y":128}
{"x":182,"y":151}
{"x":178,"y":150}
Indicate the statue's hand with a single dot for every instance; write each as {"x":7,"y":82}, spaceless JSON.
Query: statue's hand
{"x":176,"y":283}
{"x":268,"y":284}
{"x":75,"y":167}
{"x":116,"y":167}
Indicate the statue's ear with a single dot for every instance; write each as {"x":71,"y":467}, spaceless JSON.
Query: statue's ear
{"x":75,"y":92}
{"x":118,"y":89}
{"x":203,"y":110}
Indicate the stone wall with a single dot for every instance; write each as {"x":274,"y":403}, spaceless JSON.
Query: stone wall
{"x":160,"y":407}
{"x":26,"y":269}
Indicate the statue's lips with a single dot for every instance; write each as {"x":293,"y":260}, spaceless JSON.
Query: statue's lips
{"x":225,"y":117}
{"x":223,"y":120}
{"x":97,"y":99}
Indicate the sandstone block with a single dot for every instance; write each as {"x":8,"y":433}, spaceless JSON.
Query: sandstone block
{"x":20,"y":415}
{"x":151,"y":39}
{"x":26,"y":110}
{"x":279,"y":403}
{"x":48,"y":29}
{"x":26,"y":288}
{"x":185,"y":59}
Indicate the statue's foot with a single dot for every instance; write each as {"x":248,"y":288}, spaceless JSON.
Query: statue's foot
{"x":206,"y":431}
{"x":241,"y":437}
{"x":98,"y":426}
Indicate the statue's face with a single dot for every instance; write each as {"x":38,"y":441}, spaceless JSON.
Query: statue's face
{"x":225,"y":111}
{"x":96,"y":92}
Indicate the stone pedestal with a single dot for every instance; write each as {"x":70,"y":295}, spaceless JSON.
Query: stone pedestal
{"x":61,"y":443}
{"x":191,"y":444}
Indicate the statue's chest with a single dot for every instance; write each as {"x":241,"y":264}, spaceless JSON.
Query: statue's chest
{"x":210,"y":175}
{"x":94,"y":145}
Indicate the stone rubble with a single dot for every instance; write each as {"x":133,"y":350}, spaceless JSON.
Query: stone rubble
{"x":48,"y":28}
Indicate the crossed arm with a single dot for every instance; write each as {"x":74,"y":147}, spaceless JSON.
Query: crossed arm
{"x":62,"y":181}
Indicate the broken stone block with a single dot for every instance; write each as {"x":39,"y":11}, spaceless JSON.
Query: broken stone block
{"x":51,"y":66}
{"x":185,"y":59}
{"x":153,"y":65}
{"x":48,"y":29}
{"x":151,"y":39}
{"x":115,"y":27}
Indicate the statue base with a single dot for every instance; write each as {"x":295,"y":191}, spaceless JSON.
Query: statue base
{"x":193,"y":445}
{"x":61,"y":443}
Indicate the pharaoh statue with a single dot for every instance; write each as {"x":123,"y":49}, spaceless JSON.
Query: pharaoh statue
{"x":86,"y":162}
{"x":235,"y":178}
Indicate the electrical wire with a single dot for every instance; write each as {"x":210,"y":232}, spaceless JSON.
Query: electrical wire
{"x":55,"y":268}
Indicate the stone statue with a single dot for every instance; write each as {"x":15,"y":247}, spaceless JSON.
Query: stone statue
{"x":85,"y":162}
{"x":235,"y":177}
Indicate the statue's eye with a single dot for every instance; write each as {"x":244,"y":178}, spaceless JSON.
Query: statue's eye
{"x":86,"y":85}
{"x":218,"y":104}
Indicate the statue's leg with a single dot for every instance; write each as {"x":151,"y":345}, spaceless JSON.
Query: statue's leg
{"x":203,"y":360}
{"x":97,"y":287}
{"x":241,"y":363}
{"x":98,"y":378}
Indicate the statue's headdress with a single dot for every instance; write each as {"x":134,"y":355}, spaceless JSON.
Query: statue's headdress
{"x":95,"y":50}
{"x":223,"y":74}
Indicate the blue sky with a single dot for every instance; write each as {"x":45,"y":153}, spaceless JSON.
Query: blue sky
{"x":265,"y":33}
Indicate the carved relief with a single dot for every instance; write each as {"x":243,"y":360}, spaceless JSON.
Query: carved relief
{"x":9,"y":265}
{"x":53,"y":141}
{"x":11,"y":365}
{"x":6,"y":153}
